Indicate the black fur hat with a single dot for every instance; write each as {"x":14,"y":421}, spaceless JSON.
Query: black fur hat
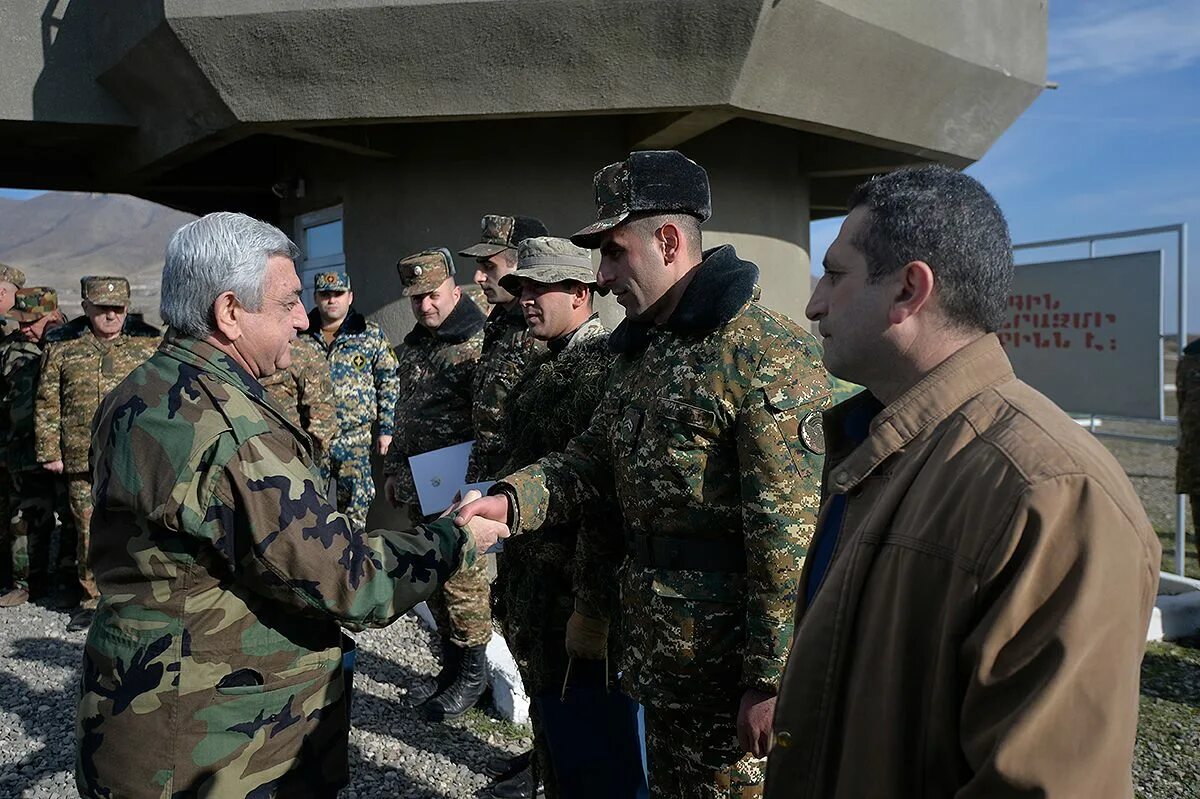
{"x":665,"y":181}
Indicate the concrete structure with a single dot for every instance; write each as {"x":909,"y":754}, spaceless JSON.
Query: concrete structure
{"x":408,"y":119}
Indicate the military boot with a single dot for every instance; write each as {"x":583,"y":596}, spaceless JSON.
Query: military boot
{"x":451,"y":658}
{"x":466,"y":689}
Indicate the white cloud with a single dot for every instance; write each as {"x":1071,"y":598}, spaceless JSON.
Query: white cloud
{"x":1116,"y":40}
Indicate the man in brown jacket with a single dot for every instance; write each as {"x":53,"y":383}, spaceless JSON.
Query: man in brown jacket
{"x":972,"y":613}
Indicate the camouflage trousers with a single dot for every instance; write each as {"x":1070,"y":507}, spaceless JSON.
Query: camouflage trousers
{"x":79,"y":498}
{"x":349,"y":466}
{"x":30,"y":529}
{"x":462,"y":606}
{"x":694,"y":754}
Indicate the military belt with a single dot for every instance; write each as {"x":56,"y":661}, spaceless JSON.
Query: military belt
{"x":664,"y":552}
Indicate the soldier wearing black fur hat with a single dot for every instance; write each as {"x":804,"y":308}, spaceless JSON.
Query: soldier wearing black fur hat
{"x":709,"y":438}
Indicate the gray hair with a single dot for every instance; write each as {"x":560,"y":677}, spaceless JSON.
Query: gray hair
{"x":220,"y":252}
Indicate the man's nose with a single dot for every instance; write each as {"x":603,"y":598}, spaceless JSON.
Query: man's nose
{"x":815,"y":310}
{"x":480,"y":277}
{"x":603,"y":278}
{"x":299,"y":318}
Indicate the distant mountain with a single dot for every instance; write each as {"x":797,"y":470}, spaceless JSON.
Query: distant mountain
{"x":59,"y":237}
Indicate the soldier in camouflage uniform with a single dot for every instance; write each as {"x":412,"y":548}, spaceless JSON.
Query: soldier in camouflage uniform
{"x":85,"y":360}
{"x":507,"y":345}
{"x":363,"y":369}
{"x":215,"y":666}
{"x":710,"y":438}
{"x":27,"y":540}
{"x":586,"y":739}
{"x":304,"y":392}
{"x":1187,"y":464}
{"x":11,"y":279}
{"x":437,"y":365}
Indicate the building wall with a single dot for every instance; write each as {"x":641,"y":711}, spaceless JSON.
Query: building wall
{"x":451,"y":174}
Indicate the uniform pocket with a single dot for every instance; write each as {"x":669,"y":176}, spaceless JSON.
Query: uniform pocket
{"x":695,"y":628}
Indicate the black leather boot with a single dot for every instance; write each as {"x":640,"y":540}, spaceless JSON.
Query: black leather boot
{"x":451,"y":658}
{"x":520,"y":786}
{"x":466,"y":689}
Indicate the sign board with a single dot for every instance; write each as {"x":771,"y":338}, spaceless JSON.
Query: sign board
{"x":1088,"y":333}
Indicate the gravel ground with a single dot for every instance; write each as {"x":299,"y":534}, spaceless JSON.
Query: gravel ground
{"x":393,"y":751}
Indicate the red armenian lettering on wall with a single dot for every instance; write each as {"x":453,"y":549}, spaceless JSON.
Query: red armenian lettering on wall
{"x":1038,"y":322}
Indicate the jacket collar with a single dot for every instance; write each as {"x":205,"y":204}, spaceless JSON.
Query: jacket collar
{"x":464,"y":321}
{"x":208,"y":358}
{"x":353,"y":323}
{"x":507,"y":316}
{"x":591,"y":328}
{"x":720,"y":289}
{"x":935,"y":397}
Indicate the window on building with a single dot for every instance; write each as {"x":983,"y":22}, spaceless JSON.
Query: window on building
{"x":319,"y":235}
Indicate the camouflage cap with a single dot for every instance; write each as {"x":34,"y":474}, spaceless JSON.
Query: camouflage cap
{"x":10,"y":274}
{"x":424,"y":271}
{"x":105,"y":290}
{"x":545,"y":259}
{"x":31,"y":304}
{"x":503,"y":233}
{"x":331,"y":281}
{"x":665,"y":181}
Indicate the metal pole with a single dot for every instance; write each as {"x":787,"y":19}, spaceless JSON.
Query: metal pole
{"x":1180,"y":505}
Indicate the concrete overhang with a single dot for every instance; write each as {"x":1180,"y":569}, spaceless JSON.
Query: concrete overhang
{"x":874,"y":84}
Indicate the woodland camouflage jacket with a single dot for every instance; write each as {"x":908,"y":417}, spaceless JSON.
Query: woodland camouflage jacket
{"x":214,"y":666}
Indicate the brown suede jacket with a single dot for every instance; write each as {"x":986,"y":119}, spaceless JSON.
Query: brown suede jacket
{"x":979,"y":629}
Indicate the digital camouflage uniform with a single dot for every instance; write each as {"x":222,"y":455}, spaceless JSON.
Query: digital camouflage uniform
{"x":507,"y":348}
{"x":214,"y":666}
{"x":78,"y":371}
{"x":434,"y":411}
{"x":304,"y":393}
{"x":434,"y":376}
{"x":35,"y":491}
{"x":363,"y":369}
{"x":710,"y":438}
{"x":8,"y":274}
{"x":1187,"y":463}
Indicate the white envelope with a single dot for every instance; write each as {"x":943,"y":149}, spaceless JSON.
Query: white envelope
{"x":439,"y":475}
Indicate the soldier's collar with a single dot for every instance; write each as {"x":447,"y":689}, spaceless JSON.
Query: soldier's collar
{"x":464,"y":321}
{"x":208,"y":358}
{"x":720,"y":289}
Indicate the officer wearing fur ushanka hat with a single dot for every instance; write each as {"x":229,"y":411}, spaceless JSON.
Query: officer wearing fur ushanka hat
{"x":699,"y":438}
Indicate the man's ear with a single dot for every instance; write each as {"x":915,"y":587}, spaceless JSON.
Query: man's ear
{"x":913,"y":290}
{"x":579,"y":295}
{"x":670,"y":238}
{"x":227,"y":312}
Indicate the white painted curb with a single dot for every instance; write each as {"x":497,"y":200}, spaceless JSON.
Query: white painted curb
{"x":507,"y":691}
{"x":1176,"y":611}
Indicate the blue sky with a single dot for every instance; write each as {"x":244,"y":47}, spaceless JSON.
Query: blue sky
{"x":1116,"y":147}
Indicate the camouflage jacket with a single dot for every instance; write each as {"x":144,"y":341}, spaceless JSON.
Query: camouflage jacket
{"x":78,"y":370}
{"x":1187,"y":394}
{"x":435,"y":376}
{"x":540,"y":576}
{"x":507,"y":348}
{"x":304,"y":393}
{"x":20,"y":361}
{"x":213,"y":666}
{"x":710,"y":437}
{"x":363,"y":369}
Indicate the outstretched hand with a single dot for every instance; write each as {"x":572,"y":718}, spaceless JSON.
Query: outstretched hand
{"x":474,"y":505}
{"x":486,"y":530}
